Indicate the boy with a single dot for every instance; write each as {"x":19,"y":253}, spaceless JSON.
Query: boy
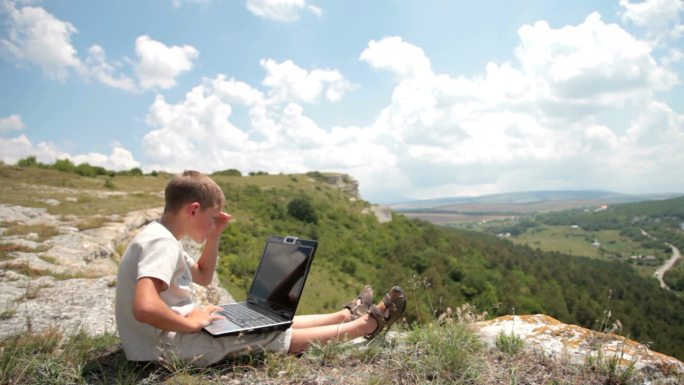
{"x":155,"y":314}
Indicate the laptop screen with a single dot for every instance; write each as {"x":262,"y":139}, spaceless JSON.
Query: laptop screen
{"x":280,"y":278}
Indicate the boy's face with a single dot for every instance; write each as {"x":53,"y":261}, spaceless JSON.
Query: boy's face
{"x":204,"y":222}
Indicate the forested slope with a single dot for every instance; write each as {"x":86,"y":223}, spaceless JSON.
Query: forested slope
{"x":438,"y":267}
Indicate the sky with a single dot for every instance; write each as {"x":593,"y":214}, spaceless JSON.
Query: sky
{"x":413,"y":99}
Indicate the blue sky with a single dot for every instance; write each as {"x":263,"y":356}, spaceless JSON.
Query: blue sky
{"x":413,"y":99}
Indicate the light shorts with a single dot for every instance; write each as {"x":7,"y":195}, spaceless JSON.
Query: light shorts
{"x":201,"y":349}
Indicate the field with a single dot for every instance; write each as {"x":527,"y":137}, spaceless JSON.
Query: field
{"x":575,"y":241}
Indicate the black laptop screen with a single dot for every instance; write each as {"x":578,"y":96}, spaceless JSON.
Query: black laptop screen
{"x":279,"y":281}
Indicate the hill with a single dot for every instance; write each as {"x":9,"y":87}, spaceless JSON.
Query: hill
{"x":526,"y":198}
{"x":440,"y":268}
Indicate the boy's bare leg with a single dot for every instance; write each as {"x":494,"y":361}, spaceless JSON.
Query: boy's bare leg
{"x":308,"y":321}
{"x":303,"y":337}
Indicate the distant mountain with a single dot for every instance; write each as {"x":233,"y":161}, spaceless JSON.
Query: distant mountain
{"x":527,"y":198}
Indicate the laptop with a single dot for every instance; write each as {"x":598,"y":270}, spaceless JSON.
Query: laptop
{"x":275,"y":291}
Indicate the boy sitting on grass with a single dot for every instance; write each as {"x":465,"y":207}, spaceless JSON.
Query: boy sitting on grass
{"x":155,"y":314}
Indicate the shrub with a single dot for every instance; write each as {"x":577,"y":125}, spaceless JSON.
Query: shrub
{"x":303,"y":210}
{"x":29,"y":161}
{"x":229,"y":172}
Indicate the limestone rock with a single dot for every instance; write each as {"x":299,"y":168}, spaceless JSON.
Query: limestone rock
{"x":345,"y":183}
{"x":382,"y":213}
{"x":69,"y":280}
{"x":575,"y":344}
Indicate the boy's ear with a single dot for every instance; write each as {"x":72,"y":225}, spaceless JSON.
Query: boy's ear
{"x":192,"y":208}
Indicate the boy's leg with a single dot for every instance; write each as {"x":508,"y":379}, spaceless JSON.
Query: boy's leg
{"x":308,"y":321}
{"x":303,"y":337}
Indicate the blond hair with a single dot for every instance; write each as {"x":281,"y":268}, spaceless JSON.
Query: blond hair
{"x":192,"y":186}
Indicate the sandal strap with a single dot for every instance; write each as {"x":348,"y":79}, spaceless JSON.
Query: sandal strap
{"x":394,"y":308}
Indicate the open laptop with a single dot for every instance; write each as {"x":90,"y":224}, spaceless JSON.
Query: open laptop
{"x":275,"y":292}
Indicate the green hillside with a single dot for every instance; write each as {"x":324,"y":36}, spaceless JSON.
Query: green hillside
{"x":438,"y":267}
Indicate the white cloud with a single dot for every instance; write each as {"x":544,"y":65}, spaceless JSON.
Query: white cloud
{"x":14,"y":149}
{"x":106,"y":72}
{"x":281,"y":10}
{"x":199,"y":131}
{"x":543,"y":121}
{"x":401,"y":58}
{"x":291,"y":82}
{"x":194,"y":130}
{"x":159,"y":65}
{"x":36,"y":36}
{"x":119,"y":159}
{"x":12,"y":122}
{"x":593,"y":63}
{"x":660,"y":18}
{"x":234,"y":91}
{"x":656,"y":126}
{"x":539,"y":122}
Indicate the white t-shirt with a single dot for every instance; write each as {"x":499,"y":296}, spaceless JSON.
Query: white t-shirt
{"x":155,"y":253}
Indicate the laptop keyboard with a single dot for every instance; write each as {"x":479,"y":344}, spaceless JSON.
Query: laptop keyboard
{"x":244,"y":316}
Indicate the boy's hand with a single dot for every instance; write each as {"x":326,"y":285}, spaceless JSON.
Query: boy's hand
{"x":201,"y":317}
{"x":221,"y":222}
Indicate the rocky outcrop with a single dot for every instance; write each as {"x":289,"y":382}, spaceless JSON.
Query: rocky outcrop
{"x":344,"y":183}
{"x":382,"y":213}
{"x":68,"y":281}
{"x":576,"y":346}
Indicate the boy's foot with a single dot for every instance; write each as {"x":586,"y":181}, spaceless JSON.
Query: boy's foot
{"x":388,"y":311}
{"x":361,"y":305}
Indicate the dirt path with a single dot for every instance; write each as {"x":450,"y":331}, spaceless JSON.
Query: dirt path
{"x":667,"y":266}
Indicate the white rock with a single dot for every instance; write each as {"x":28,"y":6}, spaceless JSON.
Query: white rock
{"x":574,"y":343}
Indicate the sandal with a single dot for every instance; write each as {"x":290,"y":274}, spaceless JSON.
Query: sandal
{"x":386,"y":313}
{"x":361,"y":305}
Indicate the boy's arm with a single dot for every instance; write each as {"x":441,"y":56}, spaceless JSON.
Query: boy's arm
{"x":149,"y":308}
{"x":203,"y":270}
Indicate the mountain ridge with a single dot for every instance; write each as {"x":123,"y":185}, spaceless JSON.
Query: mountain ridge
{"x":528,"y":197}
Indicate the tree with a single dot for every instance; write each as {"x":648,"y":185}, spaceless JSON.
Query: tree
{"x":29,"y":161}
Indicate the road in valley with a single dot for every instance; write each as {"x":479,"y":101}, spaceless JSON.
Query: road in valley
{"x":667,"y":266}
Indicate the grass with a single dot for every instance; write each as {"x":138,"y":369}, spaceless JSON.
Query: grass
{"x":28,"y":186}
{"x":25,"y":268}
{"x":509,"y":343}
{"x":44,"y":231}
{"x":8,"y":313}
{"x":7,"y":248}
{"x":92,"y":222}
{"x":447,"y":353}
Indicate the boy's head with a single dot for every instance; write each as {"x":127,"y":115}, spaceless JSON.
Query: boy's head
{"x":192,"y":186}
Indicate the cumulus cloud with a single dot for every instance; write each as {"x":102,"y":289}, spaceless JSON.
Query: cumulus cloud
{"x":119,"y":159}
{"x":12,"y":122}
{"x":159,"y":65}
{"x":291,"y":82}
{"x":592,"y":63}
{"x":39,"y":38}
{"x":519,"y":123}
{"x":401,"y":58}
{"x":660,"y":18}
{"x":281,"y":10}
{"x":13,"y":149}
{"x":106,"y":72}
{"x":542,"y":121}
{"x":201,"y":131}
